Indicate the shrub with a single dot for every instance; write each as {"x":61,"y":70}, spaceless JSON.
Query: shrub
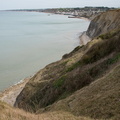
{"x":75,"y":65}
{"x":71,"y":53}
{"x":58,"y":83}
{"x":113,"y":60}
{"x":102,"y":49}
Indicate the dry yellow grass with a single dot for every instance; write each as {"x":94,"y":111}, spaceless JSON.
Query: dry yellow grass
{"x":9,"y":113}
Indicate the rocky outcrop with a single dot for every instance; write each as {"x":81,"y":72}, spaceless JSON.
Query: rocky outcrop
{"x":104,"y":23}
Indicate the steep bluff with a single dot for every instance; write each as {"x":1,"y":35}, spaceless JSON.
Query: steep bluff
{"x":104,"y":23}
{"x":68,"y":84}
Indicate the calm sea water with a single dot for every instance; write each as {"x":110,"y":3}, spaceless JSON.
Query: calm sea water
{"x":31,"y":40}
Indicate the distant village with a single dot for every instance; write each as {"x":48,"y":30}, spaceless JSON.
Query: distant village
{"x":87,"y":12}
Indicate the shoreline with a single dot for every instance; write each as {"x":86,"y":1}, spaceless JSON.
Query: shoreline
{"x":10,"y":94}
{"x":84,"y":18}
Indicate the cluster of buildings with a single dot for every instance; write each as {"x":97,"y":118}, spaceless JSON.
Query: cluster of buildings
{"x":87,"y":12}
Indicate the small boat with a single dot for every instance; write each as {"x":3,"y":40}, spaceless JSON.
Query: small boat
{"x":71,"y":17}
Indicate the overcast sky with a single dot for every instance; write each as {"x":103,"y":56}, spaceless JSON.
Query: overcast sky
{"x":35,"y":4}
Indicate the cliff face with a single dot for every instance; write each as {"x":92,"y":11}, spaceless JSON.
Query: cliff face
{"x":81,"y":82}
{"x":104,"y":23}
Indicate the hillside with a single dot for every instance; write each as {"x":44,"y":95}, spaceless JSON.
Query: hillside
{"x":99,"y":100}
{"x":9,"y":113}
{"x":84,"y":82}
{"x":83,"y":85}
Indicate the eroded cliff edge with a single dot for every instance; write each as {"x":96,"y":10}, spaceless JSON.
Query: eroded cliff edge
{"x":104,"y":23}
{"x":84,"y":82}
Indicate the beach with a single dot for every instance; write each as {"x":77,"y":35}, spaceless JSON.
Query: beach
{"x":9,"y":95}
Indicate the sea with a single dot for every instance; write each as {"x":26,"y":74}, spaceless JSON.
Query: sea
{"x":31,"y":40}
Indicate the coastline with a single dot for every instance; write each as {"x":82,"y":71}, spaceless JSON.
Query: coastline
{"x":10,"y":94}
{"x":84,"y":18}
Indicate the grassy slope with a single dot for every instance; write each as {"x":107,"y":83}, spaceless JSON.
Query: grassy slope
{"x":99,"y":100}
{"x":9,"y":113}
{"x":96,"y":62}
{"x":45,"y":85}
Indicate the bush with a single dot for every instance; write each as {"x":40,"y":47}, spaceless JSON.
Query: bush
{"x":58,"y":83}
{"x":71,"y":53}
{"x":75,"y":65}
{"x":113,"y":60}
{"x":102,"y":49}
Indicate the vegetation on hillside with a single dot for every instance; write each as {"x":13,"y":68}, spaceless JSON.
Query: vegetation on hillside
{"x":95,"y":63}
{"x":84,"y":82}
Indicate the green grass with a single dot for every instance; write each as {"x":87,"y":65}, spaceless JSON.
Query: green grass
{"x":114,"y":60}
{"x":75,"y":65}
{"x":58,"y":83}
{"x":77,"y":48}
{"x":74,"y":51}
